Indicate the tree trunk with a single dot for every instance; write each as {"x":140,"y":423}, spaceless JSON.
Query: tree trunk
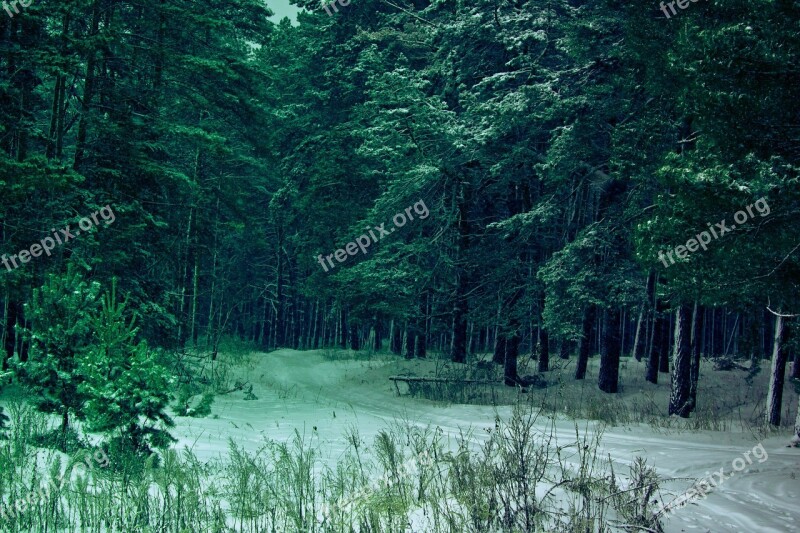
{"x":586,"y":342}
{"x":410,"y":338}
{"x":355,"y":344}
{"x":88,"y":88}
{"x":644,"y":328}
{"x":697,"y":327}
{"x":608,"y":381}
{"x":563,"y":352}
{"x":663,"y":362}
{"x":510,"y":376}
{"x":343,"y":329}
{"x":459,"y":351}
{"x":776,"y":378}
{"x":64,"y":428}
{"x":680,"y":399}
{"x":378,"y":340}
{"x":638,"y":338}
{"x":544,"y":354}
{"x":397,"y":338}
{"x":659,"y":331}
{"x":499,"y":356}
{"x":796,"y":438}
{"x":11,"y":332}
{"x":421,"y":349}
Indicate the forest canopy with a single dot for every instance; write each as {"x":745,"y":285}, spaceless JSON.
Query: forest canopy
{"x":574,"y":158}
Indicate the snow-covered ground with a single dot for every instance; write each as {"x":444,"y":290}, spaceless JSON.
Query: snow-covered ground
{"x":321,"y":398}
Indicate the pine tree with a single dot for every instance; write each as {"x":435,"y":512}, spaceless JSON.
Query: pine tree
{"x":125,"y":386}
{"x":60,"y":333}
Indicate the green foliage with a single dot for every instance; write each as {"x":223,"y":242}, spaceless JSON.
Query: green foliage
{"x":126,"y":386}
{"x":202,"y":407}
{"x":60,"y":314}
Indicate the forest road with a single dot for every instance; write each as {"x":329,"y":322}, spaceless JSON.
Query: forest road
{"x":320,"y":399}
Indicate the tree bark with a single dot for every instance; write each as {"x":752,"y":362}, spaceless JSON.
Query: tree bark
{"x":342,"y":328}
{"x":410,"y":341}
{"x":608,"y":380}
{"x":644,"y":326}
{"x":544,"y":354}
{"x":663,"y":362}
{"x":680,"y":399}
{"x":88,"y":88}
{"x":510,"y":376}
{"x":639,"y":337}
{"x":378,"y":340}
{"x":776,"y":378}
{"x":796,"y":438}
{"x":659,"y":331}
{"x":397,"y":338}
{"x":698,"y":315}
{"x":499,"y":356}
{"x":355,"y":343}
{"x":459,"y":351}
{"x":563,"y":352}
{"x":586,"y":342}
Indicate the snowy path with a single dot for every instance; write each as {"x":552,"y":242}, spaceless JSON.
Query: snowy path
{"x":300,"y":390}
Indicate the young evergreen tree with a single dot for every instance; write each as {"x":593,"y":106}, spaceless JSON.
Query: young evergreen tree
{"x":125,"y":386}
{"x":60,"y":333}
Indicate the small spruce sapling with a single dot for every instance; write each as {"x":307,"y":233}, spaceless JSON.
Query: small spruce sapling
{"x":126,"y":386}
{"x":59,"y":334}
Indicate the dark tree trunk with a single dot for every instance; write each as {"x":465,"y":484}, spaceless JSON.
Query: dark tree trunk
{"x":645,"y":323}
{"x":660,"y":330}
{"x":11,"y":332}
{"x":343,"y":329}
{"x":355,"y":343}
{"x":544,"y":353}
{"x":421,"y":349}
{"x":499,"y":356}
{"x":680,"y":399}
{"x":397,"y":338}
{"x":776,"y":378}
{"x":410,"y":341}
{"x":378,"y":341}
{"x":586,"y":342}
{"x":510,"y":376}
{"x":564,"y":349}
{"x":719,"y":333}
{"x":608,"y":381}
{"x":663,"y":362}
{"x":638,"y":339}
{"x":459,"y":351}
{"x":697,"y":328}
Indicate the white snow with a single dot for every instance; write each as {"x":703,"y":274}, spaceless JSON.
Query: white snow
{"x":320,"y":398}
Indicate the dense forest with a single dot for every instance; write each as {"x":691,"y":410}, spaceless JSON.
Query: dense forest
{"x":545,"y":158}
{"x":555,"y":179}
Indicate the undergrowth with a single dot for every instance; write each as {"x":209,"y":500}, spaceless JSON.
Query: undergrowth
{"x":523,"y":476}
